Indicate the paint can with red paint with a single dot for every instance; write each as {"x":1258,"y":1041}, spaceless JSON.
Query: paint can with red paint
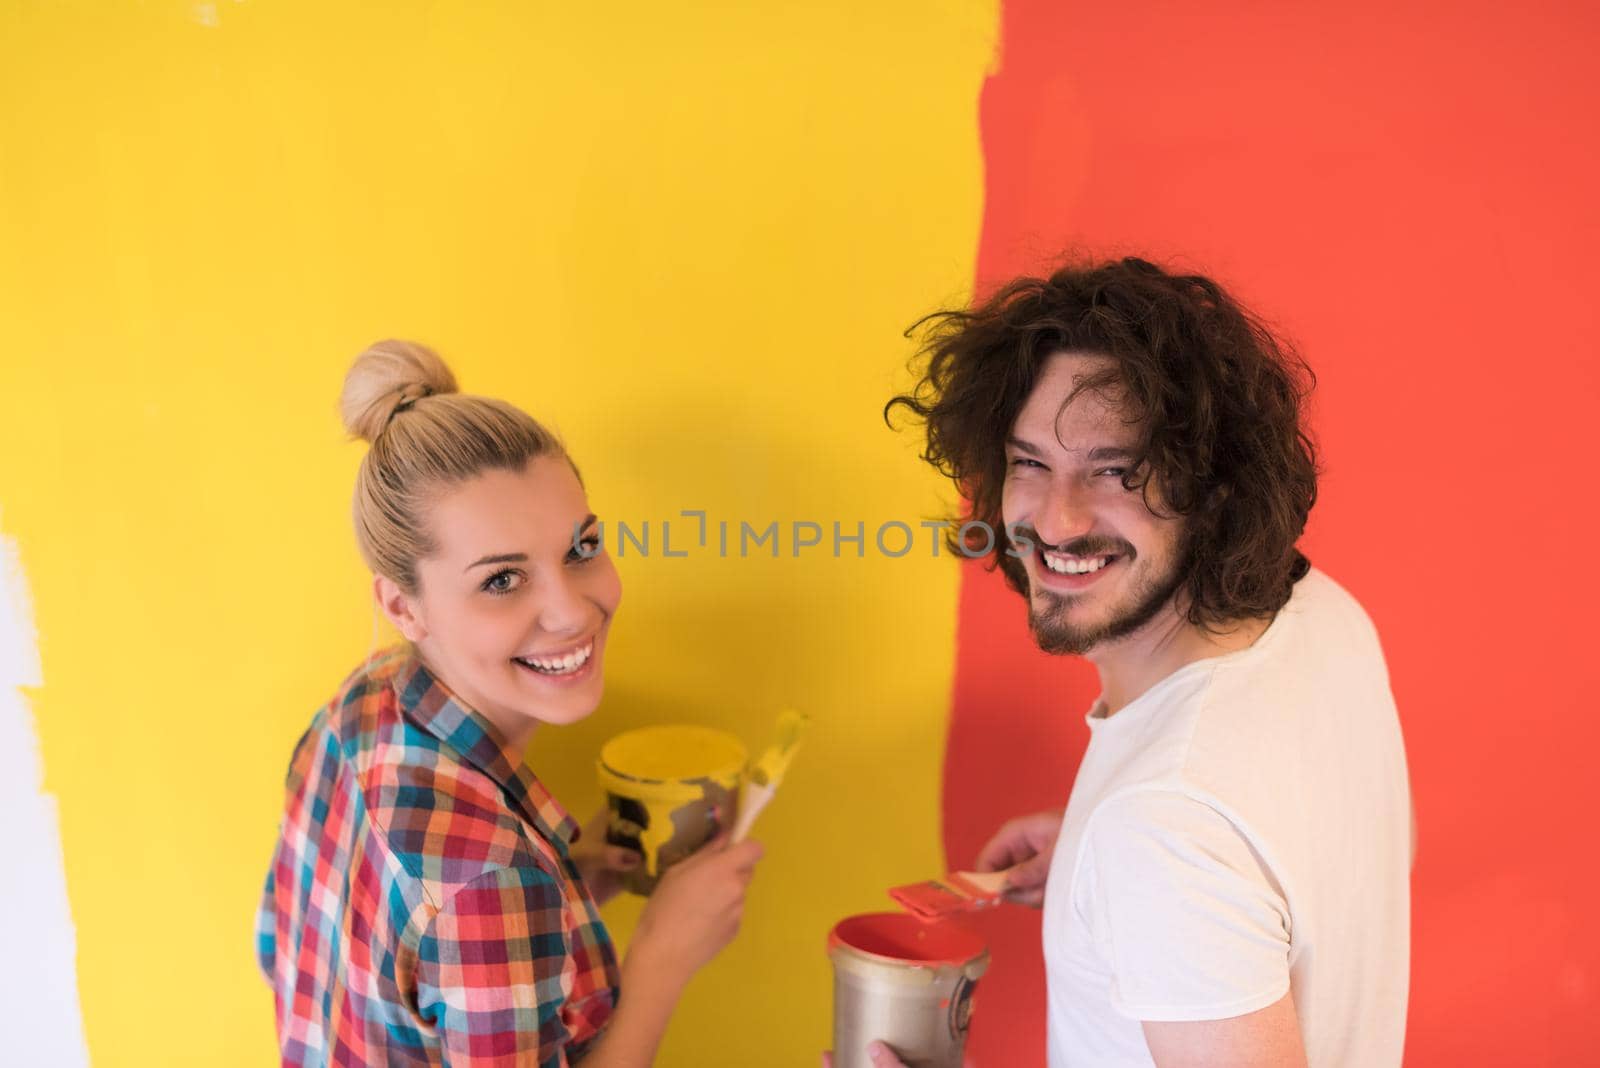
{"x":905,"y":982}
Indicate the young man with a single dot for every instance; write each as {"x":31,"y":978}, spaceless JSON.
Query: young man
{"x":1229,"y":882}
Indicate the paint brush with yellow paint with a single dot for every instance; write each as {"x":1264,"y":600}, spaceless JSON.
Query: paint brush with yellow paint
{"x":767,"y":772}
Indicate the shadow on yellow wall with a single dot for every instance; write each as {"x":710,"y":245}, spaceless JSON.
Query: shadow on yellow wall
{"x":688,"y":238}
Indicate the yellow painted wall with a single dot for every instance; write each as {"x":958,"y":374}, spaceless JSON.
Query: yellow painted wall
{"x":688,"y":236}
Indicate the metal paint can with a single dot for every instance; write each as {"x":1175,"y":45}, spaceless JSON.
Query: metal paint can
{"x":905,"y":982}
{"x":670,"y":789}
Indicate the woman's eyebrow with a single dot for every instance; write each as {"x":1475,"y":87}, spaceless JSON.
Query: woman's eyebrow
{"x":499,"y":558}
{"x":517,"y":558}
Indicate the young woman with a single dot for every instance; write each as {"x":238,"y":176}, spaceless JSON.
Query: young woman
{"x":430,"y":903}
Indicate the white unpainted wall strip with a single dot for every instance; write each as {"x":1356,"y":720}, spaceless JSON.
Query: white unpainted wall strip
{"x":38,"y":980}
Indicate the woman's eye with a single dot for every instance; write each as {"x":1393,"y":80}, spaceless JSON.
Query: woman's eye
{"x":500,"y":583}
{"x":586,"y":549}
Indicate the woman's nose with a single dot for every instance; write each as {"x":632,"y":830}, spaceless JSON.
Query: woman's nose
{"x":562,"y":607}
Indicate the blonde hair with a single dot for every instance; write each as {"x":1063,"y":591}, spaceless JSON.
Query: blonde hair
{"x":425,"y":436}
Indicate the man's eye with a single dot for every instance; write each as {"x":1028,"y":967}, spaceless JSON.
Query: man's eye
{"x":1023,"y":461}
{"x":500,"y":583}
{"x":1112,"y":472}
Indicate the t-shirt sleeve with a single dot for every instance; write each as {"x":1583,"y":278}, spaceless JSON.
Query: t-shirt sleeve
{"x":493,"y":972}
{"x":1193,"y":922}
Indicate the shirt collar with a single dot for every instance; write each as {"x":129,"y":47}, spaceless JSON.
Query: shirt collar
{"x":427,"y":702}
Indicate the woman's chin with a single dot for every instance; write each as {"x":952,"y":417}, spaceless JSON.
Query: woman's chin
{"x":573,"y":706}
{"x":565,"y":717}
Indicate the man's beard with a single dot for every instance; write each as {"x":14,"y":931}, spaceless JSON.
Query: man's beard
{"x":1055,"y":635}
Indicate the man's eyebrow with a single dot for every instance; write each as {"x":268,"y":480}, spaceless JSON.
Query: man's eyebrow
{"x":499,"y":558}
{"x":1096,"y":454}
{"x":1023,"y":446}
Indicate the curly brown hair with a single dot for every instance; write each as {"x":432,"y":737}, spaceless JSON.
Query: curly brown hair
{"x":1216,"y":396}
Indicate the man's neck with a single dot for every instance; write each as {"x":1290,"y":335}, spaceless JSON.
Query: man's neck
{"x":1130,"y":666}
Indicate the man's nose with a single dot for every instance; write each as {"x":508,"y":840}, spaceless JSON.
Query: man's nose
{"x":1064,"y":513}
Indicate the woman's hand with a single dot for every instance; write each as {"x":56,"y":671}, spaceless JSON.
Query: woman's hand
{"x":694,"y":912}
{"x":882,"y":1057}
{"x":601,"y":864}
{"x":1025,"y":845}
{"x":695,"y":909}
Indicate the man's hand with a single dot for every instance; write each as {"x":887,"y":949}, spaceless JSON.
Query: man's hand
{"x":602,"y":865}
{"x":882,"y":1057}
{"x":1025,"y":845}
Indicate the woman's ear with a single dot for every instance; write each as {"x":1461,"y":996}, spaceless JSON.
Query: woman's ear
{"x":400,"y":608}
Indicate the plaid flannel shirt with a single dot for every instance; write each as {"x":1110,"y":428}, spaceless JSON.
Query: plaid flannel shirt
{"x":422,"y":907}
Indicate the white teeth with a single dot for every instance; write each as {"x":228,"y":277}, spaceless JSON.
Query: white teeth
{"x":1072,"y":565}
{"x":563,"y":665}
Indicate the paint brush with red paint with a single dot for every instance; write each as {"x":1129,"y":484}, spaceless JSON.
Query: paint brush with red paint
{"x":962,"y":891}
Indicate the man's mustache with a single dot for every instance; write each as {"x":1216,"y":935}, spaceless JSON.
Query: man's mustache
{"x":1024,"y":537}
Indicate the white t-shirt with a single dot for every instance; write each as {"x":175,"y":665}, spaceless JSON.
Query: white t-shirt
{"x":1241,"y":830}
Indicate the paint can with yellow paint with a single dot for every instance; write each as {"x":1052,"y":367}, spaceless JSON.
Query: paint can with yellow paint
{"x":670,"y":788}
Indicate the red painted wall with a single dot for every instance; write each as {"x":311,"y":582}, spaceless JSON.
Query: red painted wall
{"x":1412,"y":196}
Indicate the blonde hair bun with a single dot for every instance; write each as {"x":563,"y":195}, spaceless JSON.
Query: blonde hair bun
{"x":432,"y":442}
{"x":386,"y":377}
